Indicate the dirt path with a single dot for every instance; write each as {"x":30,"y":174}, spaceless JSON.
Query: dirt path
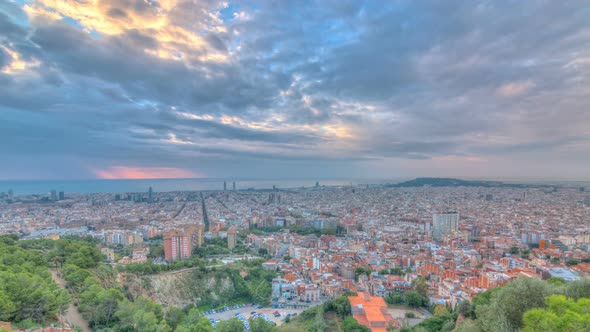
{"x":72,"y":315}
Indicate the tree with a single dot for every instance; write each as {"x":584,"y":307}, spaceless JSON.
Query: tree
{"x":7,"y":307}
{"x":447,"y":326}
{"x":163,"y":327}
{"x":485,"y":298}
{"x":203,"y":325}
{"x":571,"y":262}
{"x":413,"y":299}
{"x":259,"y":324}
{"x":192,"y":317}
{"x":435,"y":324}
{"x":539,"y":320}
{"x":509,"y":303}
{"x":491,"y":319}
{"x":466,"y":309}
{"x":33,"y":296}
{"x":195,"y":322}
{"x":340,"y":305}
{"x":231,"y":325}
{"x":421,"y":286}
{"x":440,"y":310}
{"x":145,"y":321}
{"x":468,"y":325}
{"x":174,"y":317}
{"x":556,"y":281}
{"x":360,"y":271}
{"x":561,"y":314}
{"x":158,"y":251}
{"x":578,"y":289}
{"x":141,"y":315}
{"x":394,"y":298}
{"x":98,"y":305}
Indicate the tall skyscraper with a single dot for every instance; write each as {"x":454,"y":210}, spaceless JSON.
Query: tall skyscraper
{"x":62,"y":196}
{"x":53,"y":195}
{"x":150,"y":195}
{"x":444,"y":224}
{"x":10,"y":194}
{"x":224,"y":185}
{"x":234,"y":185}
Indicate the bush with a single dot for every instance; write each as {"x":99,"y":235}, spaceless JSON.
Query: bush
{"x":410,"y":314}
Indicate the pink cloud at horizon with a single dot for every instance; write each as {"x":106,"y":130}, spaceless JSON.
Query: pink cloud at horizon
{"x":124,"y":172}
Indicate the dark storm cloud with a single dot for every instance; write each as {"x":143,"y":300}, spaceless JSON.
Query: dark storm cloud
{"x":320,"y":83}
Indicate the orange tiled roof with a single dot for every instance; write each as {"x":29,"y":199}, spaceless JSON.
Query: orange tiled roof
{"x":372,"y":310}
{"x":361,"y":319}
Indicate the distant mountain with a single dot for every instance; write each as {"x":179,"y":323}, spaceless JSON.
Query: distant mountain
{"x":449,"y":182}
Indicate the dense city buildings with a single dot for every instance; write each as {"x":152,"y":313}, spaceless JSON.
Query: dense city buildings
{"x":320,"y":237}
{"x":445,"y":224}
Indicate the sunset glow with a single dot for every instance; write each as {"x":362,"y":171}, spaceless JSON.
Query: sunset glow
{"x":123,"y":172}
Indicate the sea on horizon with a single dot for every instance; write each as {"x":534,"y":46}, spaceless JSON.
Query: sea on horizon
{"x":29,"y":187}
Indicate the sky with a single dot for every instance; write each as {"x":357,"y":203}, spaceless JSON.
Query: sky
{"x":294,"y":89}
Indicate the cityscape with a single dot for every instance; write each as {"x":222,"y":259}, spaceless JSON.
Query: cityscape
{"x":294,"y":166}
{"x":327,"y":241}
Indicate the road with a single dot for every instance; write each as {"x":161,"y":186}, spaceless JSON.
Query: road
{"x":72,"y":315}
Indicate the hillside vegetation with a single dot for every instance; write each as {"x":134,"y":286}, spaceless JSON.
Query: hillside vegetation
{"x":205,"y":287}
{"x":334,"y":315}
{"x":29,"y":297}
{"x":524,"y":304}
{"x":26,"y":289}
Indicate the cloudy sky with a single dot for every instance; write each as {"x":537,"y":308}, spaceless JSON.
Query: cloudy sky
{"x":280,"y":89}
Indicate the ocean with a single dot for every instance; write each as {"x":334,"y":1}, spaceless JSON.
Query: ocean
{"x":28,"y":187}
